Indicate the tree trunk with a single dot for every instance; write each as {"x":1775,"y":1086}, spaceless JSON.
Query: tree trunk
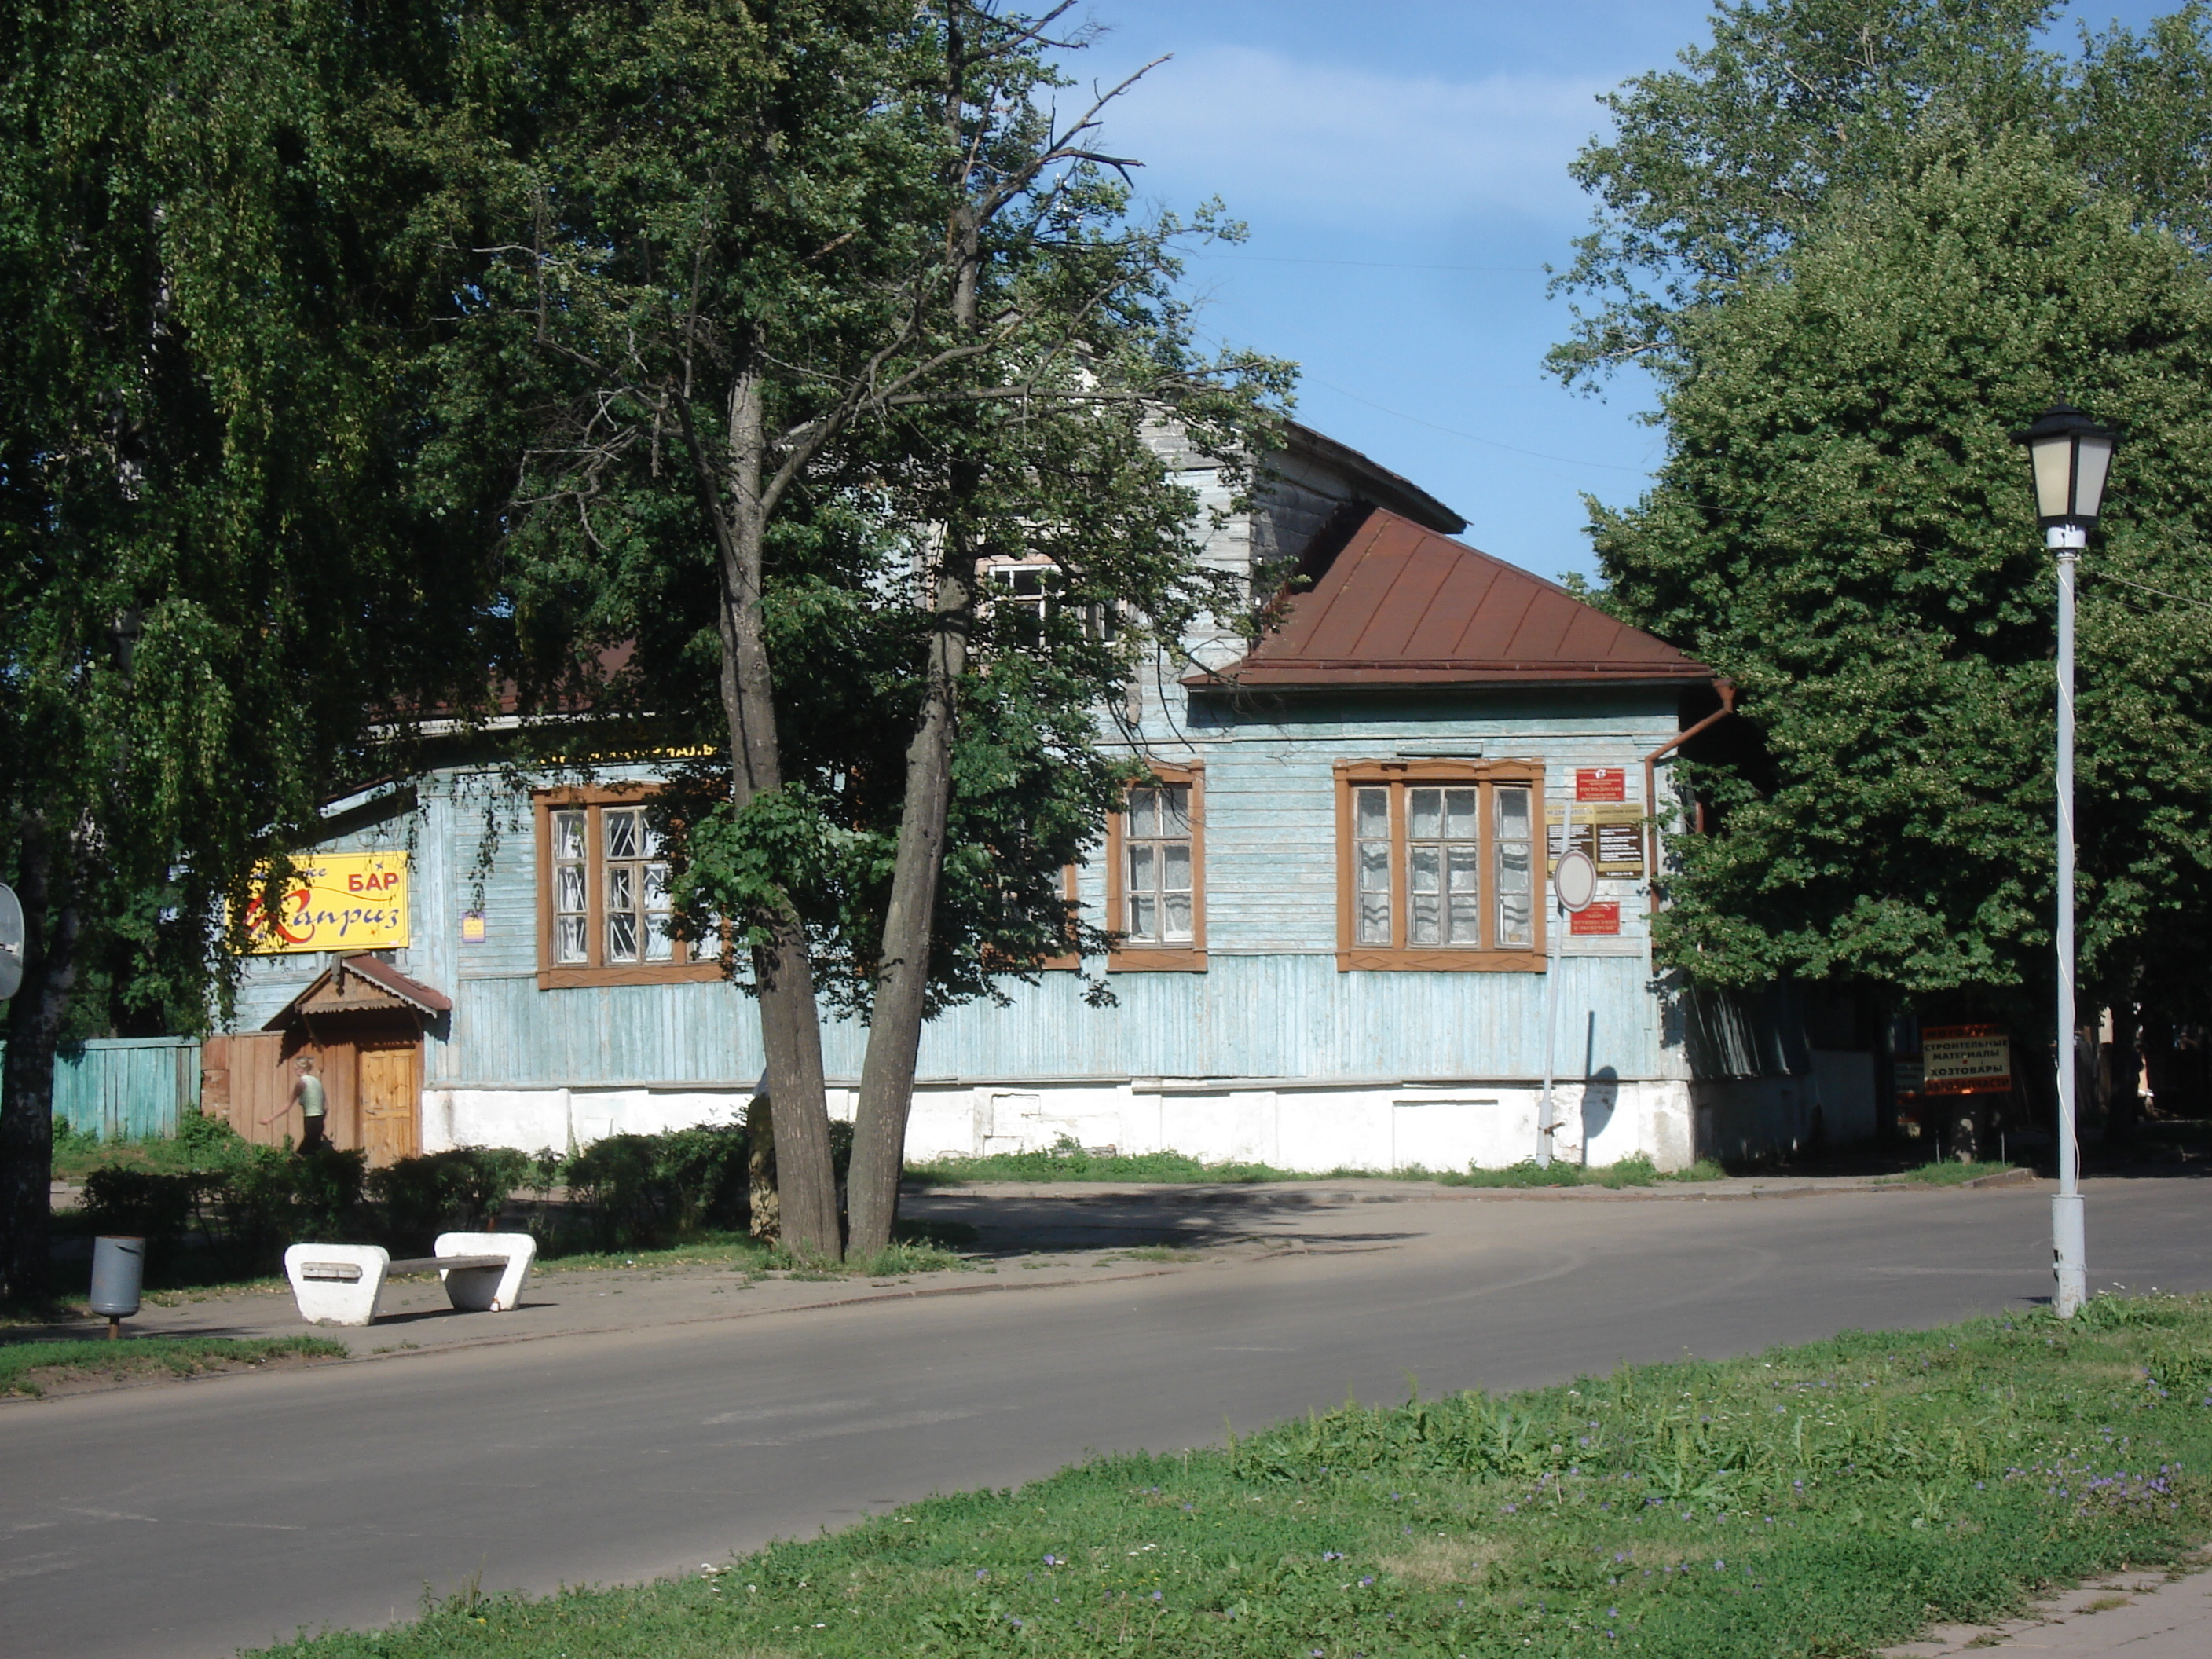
{"x":50,"y":926}
{"x":895,"y":1016}
{"x":790,"y":1022}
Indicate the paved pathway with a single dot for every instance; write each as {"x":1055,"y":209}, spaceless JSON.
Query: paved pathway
{"x":184,"y":1520}
{"x":2127,"y":1616}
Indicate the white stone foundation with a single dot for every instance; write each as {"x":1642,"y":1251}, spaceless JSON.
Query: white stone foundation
{"x":1312,"y":1127}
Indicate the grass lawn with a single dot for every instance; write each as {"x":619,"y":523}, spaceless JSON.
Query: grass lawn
{"x":924,"y":1247}
{"x":1072,"y":1163}
{"x":1955,"y":1175}
{"x":32,"y":1367}
{"x":1817,"y":1501}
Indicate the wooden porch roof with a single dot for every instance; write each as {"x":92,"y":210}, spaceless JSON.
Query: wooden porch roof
{"x":360,"y":984}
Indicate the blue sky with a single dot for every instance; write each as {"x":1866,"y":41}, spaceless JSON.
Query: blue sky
{"x":1402,"y":167}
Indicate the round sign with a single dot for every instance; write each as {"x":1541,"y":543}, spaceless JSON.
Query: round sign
{"x":1575,"y":880}
{"x":11,"y":944}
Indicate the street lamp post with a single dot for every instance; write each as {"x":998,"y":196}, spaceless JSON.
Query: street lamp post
{"x":2071,"y":455}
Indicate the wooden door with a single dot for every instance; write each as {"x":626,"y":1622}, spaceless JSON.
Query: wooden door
{"x":389,"y":1095}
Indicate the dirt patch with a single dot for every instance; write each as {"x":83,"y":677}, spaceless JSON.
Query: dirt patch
{"x":59,"y":1381}
{"x":1435,"y":1563}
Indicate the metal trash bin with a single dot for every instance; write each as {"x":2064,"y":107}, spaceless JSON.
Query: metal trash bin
{"x":118,"y":1267}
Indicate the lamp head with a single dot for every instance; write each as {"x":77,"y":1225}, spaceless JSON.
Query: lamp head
{"x":2071,"y":455}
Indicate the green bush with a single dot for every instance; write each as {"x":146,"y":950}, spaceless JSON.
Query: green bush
{"x":209,"y":1143}
{"x":276,"y":1198}
{"x":143,"y":1204}
{"x":462,"y":1190}
{"x":70,"y":1141}
{"x":647,"y":1192}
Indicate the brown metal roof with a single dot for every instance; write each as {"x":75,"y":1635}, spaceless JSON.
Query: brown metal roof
{"x":1403,"y":605}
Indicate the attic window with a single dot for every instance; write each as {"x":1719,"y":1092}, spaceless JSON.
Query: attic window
{"x":1021,"y":597}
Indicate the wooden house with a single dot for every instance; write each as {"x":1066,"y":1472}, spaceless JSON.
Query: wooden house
{"x":1332,"y":899}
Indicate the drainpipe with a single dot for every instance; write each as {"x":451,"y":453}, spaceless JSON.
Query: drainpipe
{"x":1727,"y":688}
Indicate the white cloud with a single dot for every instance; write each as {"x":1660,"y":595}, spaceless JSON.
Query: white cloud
{"x":1321,"y":143}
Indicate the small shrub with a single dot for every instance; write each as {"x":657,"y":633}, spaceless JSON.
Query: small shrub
{"x":1635,"y":1170}
{"x":647,"y":1191}
{"x":275,"y":1199}
{"x":69,"y":1141}
{"x":1954,"y":1174}
{"x":462,"y":1190}
{"x":141,"y":1204}
{"x":1527,"y":1173}
{"x":209,"y":1143}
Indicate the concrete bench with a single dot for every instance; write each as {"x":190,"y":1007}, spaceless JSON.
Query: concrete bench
{"x":343,"y":1284}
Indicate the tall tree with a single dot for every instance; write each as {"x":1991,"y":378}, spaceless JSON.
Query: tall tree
{"x":1715,"y":168}
{"x":703,"y":202}
{"x":1844,"y":526}
{"x":831,"y":306}
{"x":214,"y":564}
{"x":1078,"y":353}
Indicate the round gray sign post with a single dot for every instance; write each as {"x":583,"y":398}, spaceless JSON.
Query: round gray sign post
{"x":1575,"y":881}
{"x":1574,"y":884}
{"x":11,"y":944}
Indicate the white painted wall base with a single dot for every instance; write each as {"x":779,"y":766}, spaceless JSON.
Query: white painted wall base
{"x":1315,"y":1127}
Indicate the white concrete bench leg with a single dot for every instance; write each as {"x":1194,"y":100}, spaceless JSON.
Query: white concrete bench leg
{"x":492,"y":1289}
{"x":336,"y":1284}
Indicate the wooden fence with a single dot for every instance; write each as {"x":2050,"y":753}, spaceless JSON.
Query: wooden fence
{"x":127,"y":1088}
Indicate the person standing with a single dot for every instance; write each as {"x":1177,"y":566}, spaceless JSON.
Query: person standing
{"x":308,"y":1095}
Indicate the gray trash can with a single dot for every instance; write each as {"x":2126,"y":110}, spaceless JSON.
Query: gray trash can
{"x":118,"y":1267}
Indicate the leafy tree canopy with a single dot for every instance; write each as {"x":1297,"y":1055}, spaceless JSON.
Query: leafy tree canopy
{"x":1716,"y":168}
{"x":1844,"y":526}
{"x":216,"y":553}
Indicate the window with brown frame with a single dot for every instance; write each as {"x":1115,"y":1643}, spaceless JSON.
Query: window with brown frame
{"x":604,"y":914}
{"x":1437,"y":866}
{"x":1156,"y":874}
{"x":1024,"y":595}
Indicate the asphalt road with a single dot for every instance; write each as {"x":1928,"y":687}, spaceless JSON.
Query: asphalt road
{"x":187,"y":1520}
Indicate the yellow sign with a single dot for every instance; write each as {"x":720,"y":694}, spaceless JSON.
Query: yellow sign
{"x":334,"y":901}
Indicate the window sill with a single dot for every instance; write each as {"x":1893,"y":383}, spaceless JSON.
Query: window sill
{"x":1435,"y":961}
{"x":657,"y":973}
{"x":1156,"y":961}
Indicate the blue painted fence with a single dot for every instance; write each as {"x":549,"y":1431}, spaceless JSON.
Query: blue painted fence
{"x":128,"y":1088}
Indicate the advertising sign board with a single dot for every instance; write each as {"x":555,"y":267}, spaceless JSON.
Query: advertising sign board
{"x":1965,"y":1059}
{"x":334,"y":901}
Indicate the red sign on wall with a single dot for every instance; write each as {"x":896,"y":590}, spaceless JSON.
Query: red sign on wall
{"x":1601,"y":917}
{"x":1601,"y":783}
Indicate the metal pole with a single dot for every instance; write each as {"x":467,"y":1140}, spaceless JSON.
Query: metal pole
{"x":1544,"y":1124}
{"x":2066,"y":1247}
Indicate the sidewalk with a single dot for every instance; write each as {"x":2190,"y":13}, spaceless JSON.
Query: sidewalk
{"x":2138,"y":1615}
{"x":1032,"y":1235}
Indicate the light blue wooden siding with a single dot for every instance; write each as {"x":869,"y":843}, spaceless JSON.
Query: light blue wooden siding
{"x":1249,"y":1016}
{"x":1272,"y":1004}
